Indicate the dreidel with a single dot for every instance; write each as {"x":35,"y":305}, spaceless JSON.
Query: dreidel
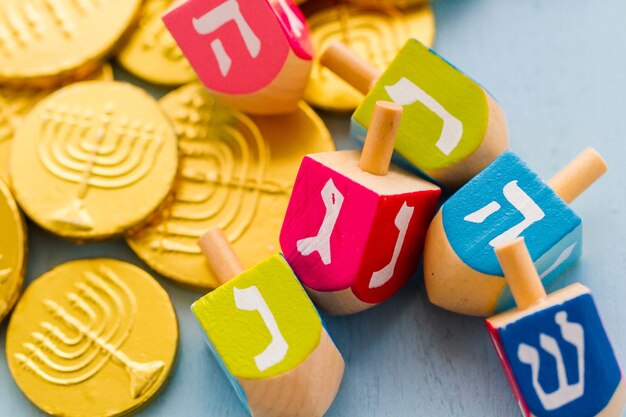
{"x":355,"y":225}
{"x":451,"y":129}
{"x":554,"y":349}
{"x":267,"y":335}
{"x":504,"y":201}
{"x":255,"y":55}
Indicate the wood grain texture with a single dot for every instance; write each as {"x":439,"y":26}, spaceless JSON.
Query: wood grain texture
{"x":557,"y":68}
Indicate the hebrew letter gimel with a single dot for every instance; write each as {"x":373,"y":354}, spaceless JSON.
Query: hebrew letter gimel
{"x":380,"y":278}
{"x":250,"y":299}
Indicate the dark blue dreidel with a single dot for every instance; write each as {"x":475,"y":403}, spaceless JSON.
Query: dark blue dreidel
{"x":554,"y":349}
{"x":506,"y":200}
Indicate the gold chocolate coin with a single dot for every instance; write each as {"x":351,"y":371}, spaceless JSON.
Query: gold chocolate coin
{"x":21,"y":99}
{"x":12,"y":251}
{"x":7,"y":130}
{"x":94,"y":337}
{"x":375,"y":34}
{"x":42,"y":40}
{"x":236,"y":173}
{"x":93,"y":160}
{"x":395,"y":3}
{"x":152,"y":53}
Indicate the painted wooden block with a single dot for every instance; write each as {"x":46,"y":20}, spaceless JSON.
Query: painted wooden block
{"x":270,"y":341}
{"x":256,"y":55}
{"x":354,"y":238}
{"x":452,"y":128}
{"x":503,"y":202}
{"x":557,"y":356}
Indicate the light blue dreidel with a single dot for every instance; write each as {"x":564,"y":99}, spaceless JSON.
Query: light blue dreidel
{"x":554,"y":349}
{"x":267,"y":336}
{"x":452,"y":128}
{"x":506,"y":200}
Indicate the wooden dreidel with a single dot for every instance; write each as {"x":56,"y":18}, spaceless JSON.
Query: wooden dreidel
{"x":355,"y":225}
{"x":554,"y":349}
{"x":255,"y":55}
{"x":504,"y":201}
{"x":451,"y":129}
{"x":267,"y":335}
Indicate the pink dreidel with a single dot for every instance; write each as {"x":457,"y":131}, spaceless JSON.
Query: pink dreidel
{"x":255,"y":55}
{"x":355,"y":225}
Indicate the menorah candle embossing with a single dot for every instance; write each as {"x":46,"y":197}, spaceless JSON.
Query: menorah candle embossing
{"x":42,"y":43}
{"x":452,"y":128}
{"x":151,"y":53}
{"x":7,"y":130}
{"x":504,"y":201}
{"x":107,"y":153}
{"x":554,"y":349}
{"x":224,"y":39}
{"x":12,"y":251}
{"x":86,"y":322}
{"x":374,"y":33}
{"x":235,"y":175}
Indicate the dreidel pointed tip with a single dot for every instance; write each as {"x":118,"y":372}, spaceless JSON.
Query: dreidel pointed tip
{"x":220,"y":255}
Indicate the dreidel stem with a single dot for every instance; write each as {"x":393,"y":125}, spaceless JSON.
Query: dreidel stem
{"x":578,"y":175}
{"x":381,"y":138}
{"x":353,"y":69}
{"x":520,"y":273}
{"x":220,"y":255}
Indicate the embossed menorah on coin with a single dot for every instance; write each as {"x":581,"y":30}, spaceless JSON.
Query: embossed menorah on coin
{"x":88,"y":334}
{"x":94,"y":151}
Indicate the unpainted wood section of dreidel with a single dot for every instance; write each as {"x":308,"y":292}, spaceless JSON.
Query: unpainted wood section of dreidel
{"x":305,"y":391}
{"x":578,"y":175}
{"x":280,"y":96}
{"x":615,"y":407}
{"x":381,"y":138}
{"x":496,"y":141}
{"x":337,"y":303}
{"x":453,"y":285}
{"x":357,"y":72}
{"x":220,"y":255}
{"x":520,"y":273}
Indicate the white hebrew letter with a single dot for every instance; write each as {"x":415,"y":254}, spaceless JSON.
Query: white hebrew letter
{"x":380,"y":278}
{"x":574,"y":334}
{"x":404,"y":92}
{"x":521,"y":201}
{"x":218,"y":17}
{"x":250,"y":299}
{"x":333,"y":200}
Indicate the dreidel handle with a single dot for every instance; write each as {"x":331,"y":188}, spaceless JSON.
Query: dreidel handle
{"x":381,"y":138}
{"x":578,"y":175}
{"x":220,"y":255}
{"x":520,"y":273}
{"x":353,"y":69}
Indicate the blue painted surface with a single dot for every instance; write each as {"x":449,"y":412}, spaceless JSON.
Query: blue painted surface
{"x":600,"y":373}
{"x":557,"y":69}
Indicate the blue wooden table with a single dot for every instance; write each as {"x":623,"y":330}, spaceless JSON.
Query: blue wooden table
{"x":557,"y":68}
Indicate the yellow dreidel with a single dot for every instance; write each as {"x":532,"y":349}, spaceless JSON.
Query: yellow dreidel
{"x":267,"y":335}
{"x":553,"y":348}
{"x":451,"y":129}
